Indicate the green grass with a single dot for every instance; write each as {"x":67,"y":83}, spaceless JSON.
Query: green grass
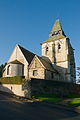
{"x":70,"y":101}
{"x":75,"y":102}
{"x":49,"y":98}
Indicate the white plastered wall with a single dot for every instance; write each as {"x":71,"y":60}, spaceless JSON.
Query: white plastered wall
{"x":14,"y":89}
{"x":17,"y":55}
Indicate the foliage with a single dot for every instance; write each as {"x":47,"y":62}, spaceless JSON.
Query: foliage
{"x":1,"y":69}
{"x":72,"y":95}
{"x":12,"y":80}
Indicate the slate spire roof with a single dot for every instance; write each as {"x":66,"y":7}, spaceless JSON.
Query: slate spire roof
{"x":56,"y":32}
{"x":57,"y":26}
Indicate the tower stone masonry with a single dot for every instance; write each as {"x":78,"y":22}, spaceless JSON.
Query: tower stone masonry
{"x":58,"y":50}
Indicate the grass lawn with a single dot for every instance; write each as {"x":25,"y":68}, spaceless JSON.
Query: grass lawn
{"x":49,"y":98}
{"x":75,"y":102}
{"x":69,"y":101}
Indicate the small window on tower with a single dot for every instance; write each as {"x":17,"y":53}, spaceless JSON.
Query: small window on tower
{"x":59,"y":32}
{"x":46,"y":50}
{"x":59,"y":46}
{"x":53,"y":34}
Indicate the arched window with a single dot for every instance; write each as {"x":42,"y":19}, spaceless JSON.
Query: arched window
{"x":59,"y":46}
{"x":46,"y":50}
{"x":8,"y":70}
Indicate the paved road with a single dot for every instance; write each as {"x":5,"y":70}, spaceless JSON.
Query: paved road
{"x":12,"y":109}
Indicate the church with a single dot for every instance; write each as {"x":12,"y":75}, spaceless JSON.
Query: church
{"x":56,"y":63}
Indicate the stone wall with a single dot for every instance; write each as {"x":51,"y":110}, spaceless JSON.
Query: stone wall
{"x":40,"y":86}
{"x":61,"y":54}
{"x":40,"y":73}
{"x":52,"y":75}
{"x":60,"y":57}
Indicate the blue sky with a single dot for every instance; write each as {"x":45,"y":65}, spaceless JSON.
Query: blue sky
{"x":28,"y":22}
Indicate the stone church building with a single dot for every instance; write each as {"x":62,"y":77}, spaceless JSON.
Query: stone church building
{"x":56,"y":63}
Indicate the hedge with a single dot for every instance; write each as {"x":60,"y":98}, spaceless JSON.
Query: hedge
{"x":12,"y":80}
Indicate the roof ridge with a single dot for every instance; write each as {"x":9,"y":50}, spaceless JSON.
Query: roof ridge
{"x":45,"y":60}
{"x":27,"y":54}
{"x":25,"y":49}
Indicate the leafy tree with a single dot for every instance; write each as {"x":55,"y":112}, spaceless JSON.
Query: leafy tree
{"x":1,"y":69}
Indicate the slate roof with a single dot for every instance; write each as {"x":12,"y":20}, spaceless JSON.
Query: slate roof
{"x":27,"y":54}
{"x":47,"y":64}
{"x":54,"y":38}
{"x":57,"y":26}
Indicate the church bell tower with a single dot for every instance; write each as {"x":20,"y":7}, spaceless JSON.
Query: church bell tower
{"x":60,"y":52}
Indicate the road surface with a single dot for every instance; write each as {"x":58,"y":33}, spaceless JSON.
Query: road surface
{"x":13,"y":109}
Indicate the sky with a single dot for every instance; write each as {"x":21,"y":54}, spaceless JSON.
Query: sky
{"x":28,"y":23}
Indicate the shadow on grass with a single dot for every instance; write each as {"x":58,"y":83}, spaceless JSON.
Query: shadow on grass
{"x":49,"y":98}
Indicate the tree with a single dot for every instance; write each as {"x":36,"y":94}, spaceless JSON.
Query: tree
{"x":1,"y":69}
{"x":78,"y":74}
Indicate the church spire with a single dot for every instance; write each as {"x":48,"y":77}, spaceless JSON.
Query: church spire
{"x":57,"y":26}
{"x":56,"y":30}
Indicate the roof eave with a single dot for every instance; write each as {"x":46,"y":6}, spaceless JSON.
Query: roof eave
{"x":53,"y":40}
